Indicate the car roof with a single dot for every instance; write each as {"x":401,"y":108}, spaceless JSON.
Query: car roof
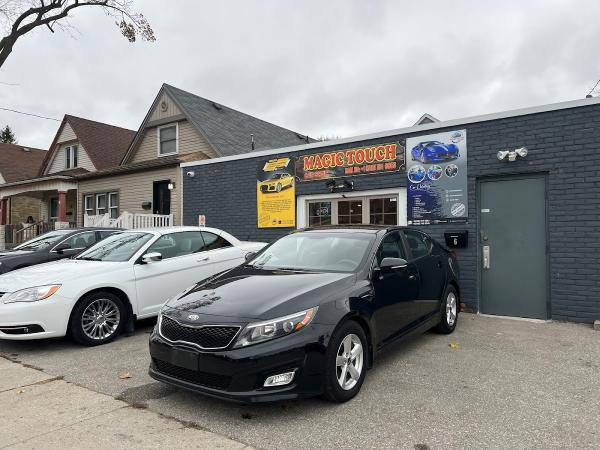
{"x":176,"y":229}
{"x":352,"y":228}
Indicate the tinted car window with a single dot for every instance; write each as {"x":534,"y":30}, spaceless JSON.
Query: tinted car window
{"x":212,"y":241}
{"x":391,"y":247}
{"x":177,"y":244}
{"x":106,"y":233}
{"x":81,"y":240}
{"x":44,"y":241}
{"x":419,"y":244}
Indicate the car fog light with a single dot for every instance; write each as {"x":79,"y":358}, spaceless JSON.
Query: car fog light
{"x":279,"y":380}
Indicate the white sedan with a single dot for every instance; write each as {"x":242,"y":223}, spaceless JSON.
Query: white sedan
{"x":124,"y":277}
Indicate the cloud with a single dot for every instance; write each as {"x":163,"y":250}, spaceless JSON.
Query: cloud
{"x":340,"y":67}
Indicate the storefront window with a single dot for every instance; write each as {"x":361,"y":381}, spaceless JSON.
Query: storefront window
{"x":319,"y":214}
{"x":350,"y":212}
{"x":383,"y":211}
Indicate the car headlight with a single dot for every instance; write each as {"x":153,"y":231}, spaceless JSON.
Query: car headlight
{"x":274,"y":328}
{"x":32,"y":294}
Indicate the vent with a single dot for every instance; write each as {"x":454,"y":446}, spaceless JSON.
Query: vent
{"x":211,"y":380}
{"x":207,"y":337}
{"x":217,"y":106}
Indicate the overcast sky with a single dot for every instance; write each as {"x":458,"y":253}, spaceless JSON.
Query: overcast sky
{"x":319,"y":67}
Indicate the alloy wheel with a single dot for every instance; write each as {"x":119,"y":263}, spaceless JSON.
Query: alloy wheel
{"x":100,"y":319}
{"x":349,"y":362}
{"x":451,"y":308}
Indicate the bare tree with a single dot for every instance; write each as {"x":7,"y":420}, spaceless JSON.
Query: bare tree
{"x":19,"y":17}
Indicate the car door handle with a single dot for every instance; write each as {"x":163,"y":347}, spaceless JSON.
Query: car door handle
{"x":203,"y":259}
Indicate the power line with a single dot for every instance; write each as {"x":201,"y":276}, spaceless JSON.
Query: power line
{"x":593,"y":89}
{"x":29,"y":114}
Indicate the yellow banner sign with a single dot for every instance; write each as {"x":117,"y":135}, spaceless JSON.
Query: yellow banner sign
{"x":276,"y":194}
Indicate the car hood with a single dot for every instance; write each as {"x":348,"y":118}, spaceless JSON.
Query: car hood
{"x":57,"y":272}
{"x":250,"y":293}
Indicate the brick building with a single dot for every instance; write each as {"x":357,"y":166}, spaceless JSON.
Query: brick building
{"x":538,"y":214}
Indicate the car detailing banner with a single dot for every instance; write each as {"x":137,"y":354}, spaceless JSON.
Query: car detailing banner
{"x":276,"y":193}
{"x":367,"y":160}
{"x":436,"y":169}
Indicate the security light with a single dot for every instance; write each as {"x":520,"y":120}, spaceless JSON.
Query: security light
{"x":522,"y":152}
{"x":502,"y":154}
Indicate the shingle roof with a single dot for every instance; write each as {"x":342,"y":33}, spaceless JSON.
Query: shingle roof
{"x":105,"y":144}
{"x":229,"y":131}
{"x":19,"y":162}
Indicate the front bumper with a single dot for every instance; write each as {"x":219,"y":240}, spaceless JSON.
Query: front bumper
{"x":50,"y":315}
{"x":239,"y":374}
{"x":441,"y":157}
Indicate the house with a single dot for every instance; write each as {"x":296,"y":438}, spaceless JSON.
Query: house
{"x":178,"y":127}
{"x":17,"y":163}
{"x":48,"y":186}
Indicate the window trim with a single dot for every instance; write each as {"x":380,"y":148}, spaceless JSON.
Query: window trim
{"x":399,"y":193}
{"x":158,"y":153}
{"x":72,"y":156}
{"x":93,"y":208}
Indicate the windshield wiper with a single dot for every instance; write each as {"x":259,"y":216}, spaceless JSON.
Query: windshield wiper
{"x":88,"y":258}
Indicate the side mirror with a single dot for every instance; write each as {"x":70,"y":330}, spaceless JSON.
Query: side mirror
{"x":391,"y":264}
{"x":60,"y":249}
{"x":249,"y":256}
{"x":151,"y":257}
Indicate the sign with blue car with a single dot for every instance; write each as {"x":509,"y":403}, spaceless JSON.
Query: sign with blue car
{"x":436,"y":170}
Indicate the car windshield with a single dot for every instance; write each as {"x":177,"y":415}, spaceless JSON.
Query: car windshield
{"x":316,"y":251}
{"x":118,"y":247}
{"x":44,"y":241}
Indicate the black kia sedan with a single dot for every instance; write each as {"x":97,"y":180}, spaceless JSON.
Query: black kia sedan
{"x":51,"y":246}
{"x":307,"y":315}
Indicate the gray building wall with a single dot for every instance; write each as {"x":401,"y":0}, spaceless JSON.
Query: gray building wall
{"x":563,"y":145}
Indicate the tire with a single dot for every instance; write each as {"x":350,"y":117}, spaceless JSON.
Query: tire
{"x":349,"y":332}
{"x":279,"y":187}
{"x":101,"y":306}
{"x":448,"y":321}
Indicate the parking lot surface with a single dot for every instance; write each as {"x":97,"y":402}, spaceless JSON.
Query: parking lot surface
{"x":494,"y":383}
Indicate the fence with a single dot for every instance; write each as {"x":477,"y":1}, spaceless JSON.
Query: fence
{"x":129,"y":221}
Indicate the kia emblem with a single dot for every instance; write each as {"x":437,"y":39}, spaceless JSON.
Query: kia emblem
{"x":193,"y":317}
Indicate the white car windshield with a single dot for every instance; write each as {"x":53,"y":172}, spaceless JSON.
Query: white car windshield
{"x":44,"y":241}
{"x":118,"y":247}
{"x":316,"y":251}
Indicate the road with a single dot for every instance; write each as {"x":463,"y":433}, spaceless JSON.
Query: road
{"x":494,"y":383}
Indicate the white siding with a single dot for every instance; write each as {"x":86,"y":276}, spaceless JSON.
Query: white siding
{"x":134,"y":189}
{"x":59,"y":159}
{"x":171,"y":110}
{"x":67,"y":134}
{"x":189,"y":142}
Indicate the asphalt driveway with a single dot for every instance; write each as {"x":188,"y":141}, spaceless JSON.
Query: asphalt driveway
{"x":493,"y":383}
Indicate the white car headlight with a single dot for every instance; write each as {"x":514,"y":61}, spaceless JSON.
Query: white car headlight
{"x":32,"y":294}
{"x":274,"y":328}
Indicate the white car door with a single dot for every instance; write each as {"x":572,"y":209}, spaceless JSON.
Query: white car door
{"x":183,"y":263}
{"x":222,"y":253}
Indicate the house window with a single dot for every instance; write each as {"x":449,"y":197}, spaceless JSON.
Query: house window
{"x":167,"y":140}
{"x":319,"y":214}
{"x":54,"y":208}
{"x":90,"y":210}
{"x":102,"y":203}
{"x":383,"y":211}
{"x":113,"y":204}
{"x":71,"y":156}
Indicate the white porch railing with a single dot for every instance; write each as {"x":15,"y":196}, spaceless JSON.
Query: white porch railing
{"x":129,"y":221}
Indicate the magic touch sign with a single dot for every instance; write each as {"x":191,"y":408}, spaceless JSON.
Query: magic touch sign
{"x":366,"y":160}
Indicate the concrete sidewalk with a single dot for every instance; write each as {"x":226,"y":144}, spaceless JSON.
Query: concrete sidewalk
{"x":41,"y":411}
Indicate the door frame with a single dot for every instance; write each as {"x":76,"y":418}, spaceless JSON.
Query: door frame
{"x":508,"y":177}
{"x":156,"y":183}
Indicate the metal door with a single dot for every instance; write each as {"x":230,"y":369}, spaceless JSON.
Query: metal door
{"x":512,"y":245}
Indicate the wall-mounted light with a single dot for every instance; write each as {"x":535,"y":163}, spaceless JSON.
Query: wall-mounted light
{"x":334,"y":185}
{"x":511,"y":155}
{"x":171,"y":186}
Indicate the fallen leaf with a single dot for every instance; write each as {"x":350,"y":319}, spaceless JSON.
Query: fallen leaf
{"x":453,"y":345}
{"x":124,"y":376}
